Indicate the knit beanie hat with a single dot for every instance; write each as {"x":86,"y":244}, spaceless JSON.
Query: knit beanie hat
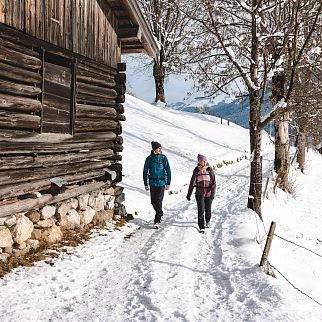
{"x":155,"y":145}
{"x":201,"y":157}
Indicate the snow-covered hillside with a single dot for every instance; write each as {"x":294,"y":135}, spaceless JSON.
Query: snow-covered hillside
{"x":137,"y":273}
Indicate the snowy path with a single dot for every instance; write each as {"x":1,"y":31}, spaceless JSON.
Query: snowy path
{"x":174,"y":273}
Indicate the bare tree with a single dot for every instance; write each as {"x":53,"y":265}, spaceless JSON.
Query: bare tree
{"x":171,"y":29}
{"x":235,"y":54}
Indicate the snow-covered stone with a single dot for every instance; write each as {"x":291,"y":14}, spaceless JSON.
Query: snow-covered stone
{"x":47,"y":212}
{"x":86,"y":216}
{"x":5,"y":237}
{"x":51,"y":235}
{"x":83,"y":201}
{"x":22,"y":230}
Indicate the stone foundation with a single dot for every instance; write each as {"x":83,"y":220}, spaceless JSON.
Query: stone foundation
{"x":23,"y":232}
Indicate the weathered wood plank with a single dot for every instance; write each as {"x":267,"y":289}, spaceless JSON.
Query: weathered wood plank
{"x":16,"y":58}
{"x":16,"y":136}
{"x":20,"y":189}
{"x":20,"y":148}
{"x":18,"y":89}
{"x":23,"y":175}
{"x":84,"y":88}
{"x":85,"y":77}
{"x":13,"y":103}
{"x":20,"y":74}
{"x":19,"y":121}
{"x":17,"y":47}
{"x":58,"y":74}
{"x":56,"y":127}
{"x":93,"y":111}
{"x":57,"y":89}
{"x":58,"y":102}
{"x":43,"y":161}
{"x":92,"y":100}
{"x":88,"y":125}
{"x":27,"y":204}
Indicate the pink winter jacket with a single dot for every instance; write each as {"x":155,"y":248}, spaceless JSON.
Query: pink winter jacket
{"x":205,"y":183}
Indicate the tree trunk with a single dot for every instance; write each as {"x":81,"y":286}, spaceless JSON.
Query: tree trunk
{"x":282,"y":150}
{"x":255,"y":187}
{"x":159,"y":76}
{"x":301,"y":144}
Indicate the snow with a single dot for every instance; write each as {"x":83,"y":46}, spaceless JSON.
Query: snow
{"x":136,"y":273}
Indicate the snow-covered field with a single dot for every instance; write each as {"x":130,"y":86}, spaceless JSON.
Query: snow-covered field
{"x":175,"y":273}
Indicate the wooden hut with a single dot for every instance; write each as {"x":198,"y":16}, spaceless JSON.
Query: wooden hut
{"x":62,"y":86}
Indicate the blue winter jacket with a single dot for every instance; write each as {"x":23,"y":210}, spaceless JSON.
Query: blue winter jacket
{"x":156,"y":171}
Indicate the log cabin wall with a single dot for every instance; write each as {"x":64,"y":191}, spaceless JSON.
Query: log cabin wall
{"x":60,"y":118}
{"x":85,"y":27}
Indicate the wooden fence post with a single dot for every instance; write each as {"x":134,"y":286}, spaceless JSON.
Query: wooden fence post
{"x":268,"y":244}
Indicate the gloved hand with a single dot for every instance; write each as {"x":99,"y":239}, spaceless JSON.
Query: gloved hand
{"x":188,"y":198}
{"x":212,"y":198}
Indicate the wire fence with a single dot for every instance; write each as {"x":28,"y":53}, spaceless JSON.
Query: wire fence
{"x":279,"y":271}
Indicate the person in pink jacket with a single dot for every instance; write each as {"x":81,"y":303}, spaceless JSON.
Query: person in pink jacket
{"x":203,"y":179}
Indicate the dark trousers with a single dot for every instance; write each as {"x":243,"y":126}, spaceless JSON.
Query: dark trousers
{"x":204,"y":210}
{"x":157,"y":194}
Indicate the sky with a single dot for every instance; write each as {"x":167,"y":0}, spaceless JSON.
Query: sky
{"x":137,"y":273}
{"x":142,"y":85}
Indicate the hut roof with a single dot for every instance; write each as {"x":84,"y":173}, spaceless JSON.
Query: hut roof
{"x":133,"y":30}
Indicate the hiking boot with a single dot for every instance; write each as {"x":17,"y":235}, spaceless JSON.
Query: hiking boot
{"x":202,"y":231}
{"x":207,"y":225}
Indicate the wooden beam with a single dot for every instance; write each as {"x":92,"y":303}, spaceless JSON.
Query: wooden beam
{"x":133,"y":33}
{"x":28,"y":204}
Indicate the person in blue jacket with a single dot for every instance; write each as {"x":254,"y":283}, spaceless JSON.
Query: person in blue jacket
{"x":157,"y":178}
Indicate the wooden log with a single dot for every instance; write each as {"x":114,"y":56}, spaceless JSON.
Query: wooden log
{"x":120,"y":99}
{"x":20,"y":189}
{"x":121,"y":67}
{"x":19,"y":74}
{"x":88,"y":125}
{"x":92,"y":100}
{"x":15,"y":103}
{"x":93,"y":90}
{"x":43,"y":161}
{"x":23,"y":175}
{"x":16,"y":58}
{"x":93,"y":111}
{"x":120,"y":89}
{"x":119,"y":108}
{"x":96,"y":67}
{"x":120,"y":78}
{"x":108,"y":83}
{"x":121,"y":118}
{"x":18,"y":89}
{"x":28,"y":204}
{"x":15,"y":136}
{"x":16,"y":47}
{"x":19,"y":121}
{"x":16,"y":148}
